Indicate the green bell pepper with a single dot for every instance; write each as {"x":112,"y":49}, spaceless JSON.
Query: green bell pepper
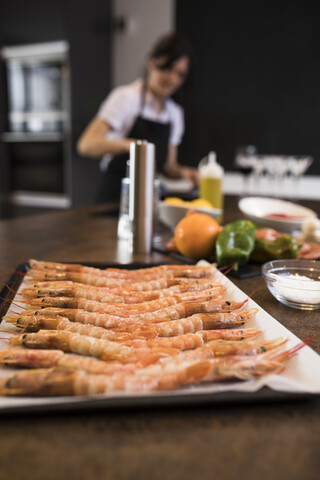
{"x":282,"y":247}
{"x":235,"y":243}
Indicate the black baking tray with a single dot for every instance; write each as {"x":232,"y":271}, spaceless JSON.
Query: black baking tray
{"x":154,"y":400}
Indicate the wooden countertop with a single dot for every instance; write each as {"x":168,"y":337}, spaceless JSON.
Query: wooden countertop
{"x":277,"y":440}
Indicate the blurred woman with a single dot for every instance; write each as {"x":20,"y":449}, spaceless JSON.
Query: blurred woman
{"x":143,"y":110}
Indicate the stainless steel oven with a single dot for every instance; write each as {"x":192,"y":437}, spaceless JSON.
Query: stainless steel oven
{"x":38,"y":136}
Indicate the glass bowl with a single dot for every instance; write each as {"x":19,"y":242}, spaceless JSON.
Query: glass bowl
{"x":295,"y":283}
{"x":171,"y":215}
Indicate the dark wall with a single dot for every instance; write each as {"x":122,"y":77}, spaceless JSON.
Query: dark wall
{"x":256,"y":81}
{"x":86,"y":26}
{"x":90,"y":34}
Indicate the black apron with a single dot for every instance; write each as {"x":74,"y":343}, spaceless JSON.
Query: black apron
{"x":142,"y":129}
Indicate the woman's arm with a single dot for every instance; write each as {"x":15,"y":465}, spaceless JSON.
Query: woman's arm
{"x":93,"y":141}
{"x":174,"y":170}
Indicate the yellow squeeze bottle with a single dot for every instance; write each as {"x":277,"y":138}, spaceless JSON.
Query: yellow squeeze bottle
{"x":211,"y":180}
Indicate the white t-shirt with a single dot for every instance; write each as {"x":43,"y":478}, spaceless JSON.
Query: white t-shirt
{"x":122,"y":106}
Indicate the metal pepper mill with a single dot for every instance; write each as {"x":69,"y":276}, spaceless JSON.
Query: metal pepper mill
{"x":141,"y":174}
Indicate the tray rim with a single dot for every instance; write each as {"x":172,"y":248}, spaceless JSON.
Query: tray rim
{"x":218,"y":400}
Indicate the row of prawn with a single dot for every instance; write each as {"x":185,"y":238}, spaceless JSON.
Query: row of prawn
{"x":158,"y":333}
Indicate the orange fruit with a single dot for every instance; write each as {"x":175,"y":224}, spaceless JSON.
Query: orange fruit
{"x":174,"y":201}
{"x":195,"y":235}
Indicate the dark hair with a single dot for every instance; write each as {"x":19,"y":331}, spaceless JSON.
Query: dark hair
{"x":172,"y":46}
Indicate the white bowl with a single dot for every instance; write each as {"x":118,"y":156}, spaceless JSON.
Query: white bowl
{"x":291,"y":215}
{"x":295,"y":283}
{"x":171,"y":215}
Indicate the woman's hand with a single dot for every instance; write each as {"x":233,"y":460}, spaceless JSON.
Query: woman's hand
{"x":191,"y":174}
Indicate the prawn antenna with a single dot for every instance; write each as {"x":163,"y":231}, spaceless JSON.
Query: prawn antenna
{"x":13,"y":303}
{"x":12,"y":311}
{"x":293,"y":351}
{"x":13,"y":272}
{"x":309,"y":340}
{"x":5,"y":338}
{"x":227,"y":269}
{"x":244,"y":301}
{"x":8,"y":287}
{"x":255,"y":291}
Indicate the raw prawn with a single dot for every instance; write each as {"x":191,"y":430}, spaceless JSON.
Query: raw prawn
{"x":100,"y":281}
{"x":54,"y":381}
{"x":243,"y":368}
{"x":68,"y":382}
{"x":36,"y":323}
{"x":230,"y":334}
{"x":85,"y":345}
{"x":212,"y":350}
{"x":105,"y":295}
{"x":120,"y":309}
{"x":190,"y":341}
{"x":106,"y":320}
{"x":25,"y":357}
{"x":149,"y":273}
{"x":204,"y":321}
{"x":38,"y":358}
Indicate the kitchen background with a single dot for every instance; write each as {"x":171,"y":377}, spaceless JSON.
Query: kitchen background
{"x":256,"y":82}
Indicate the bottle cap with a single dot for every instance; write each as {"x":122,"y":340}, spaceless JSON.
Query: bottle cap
{"x":209,"y":167}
